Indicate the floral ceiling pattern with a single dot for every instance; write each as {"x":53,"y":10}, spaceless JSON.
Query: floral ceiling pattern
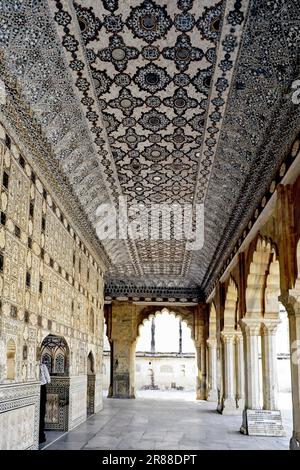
{"x":161,"y":102}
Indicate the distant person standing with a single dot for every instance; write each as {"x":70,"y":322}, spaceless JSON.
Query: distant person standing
{"x":44,"y":379}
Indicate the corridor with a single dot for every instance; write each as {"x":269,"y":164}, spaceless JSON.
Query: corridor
{"x":172,"y":423}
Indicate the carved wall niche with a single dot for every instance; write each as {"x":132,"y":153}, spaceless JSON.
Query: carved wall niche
{"x":55,"y":354}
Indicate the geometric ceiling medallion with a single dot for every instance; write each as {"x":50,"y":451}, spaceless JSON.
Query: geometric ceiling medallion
{"x":126,"y":102}
{"x":211,"y":55}
{"x":179,"y":121}
{"x":118,"y":154}
{"x":88,"y":23}
{"x":183,"y":53}
{"x":184,"y":22}
{"x":181,"y":79}
{"x":150,"y":52}
{"x":131,"y":138}
{"x":153,"y":120}
{"x":202,"y":80}
{"x":179,"y":138}
{"x":151,"y":78}
{"x":154,"y":138}
{"x":149,"y":21}
{"x":118,"y":53}
{"x":180,"y":101}
{"x":209,"y":24}
{"x":122,"y":79}
{"x":110,"y":122}
{"x":102,"y":82}
{"x":153,"y":101}
{"x":197,"y":122}
{"x":129,"y":122}
{"x":113,"y":24}
{"x":155,"y":153}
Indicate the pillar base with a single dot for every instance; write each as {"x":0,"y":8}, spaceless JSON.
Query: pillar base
{"x":123,"y":396}
{"x":229,"y":407}
{"x":212,"y":395}
{"x":262,"y":423}
{"x":295,"y":442}
{"x":243,"y":428}
{"x":121,"y":386}
{"x":241,"y":404}
{"x":200,"y":395}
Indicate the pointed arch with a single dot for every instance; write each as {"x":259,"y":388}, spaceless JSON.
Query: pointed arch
{"x":230,"y":309}
{"x":272,"y":288}
{"x":256,"y":279}
{"x":90,"y":363}
{"x":55,"y":352}
{"x":212,"y":322}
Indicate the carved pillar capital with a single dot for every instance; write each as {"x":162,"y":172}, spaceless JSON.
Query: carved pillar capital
{"x":211,"y":342}
{"x":291,"y":302}
{"x":227,"y":335}
{"x":269,"y":326}
{"x":251,"y":326}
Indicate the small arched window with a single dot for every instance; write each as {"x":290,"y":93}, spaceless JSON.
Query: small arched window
{"x":46,"y":359}
{"x":90,"y":363}
{"x":59,"y":364}
{"x":11,"y":360}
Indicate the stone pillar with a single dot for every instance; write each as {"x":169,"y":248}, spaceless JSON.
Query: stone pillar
{"x":123,"y":336}
{"x":220,"y":374}
{"x":294,"y":327}
{"x":240,"y":371}
{"x":201,"y":376}
{"x":123,"y":369}
{"x":251,"y":334}
{"x":180,"y":337}
{"x":212,"y":391}
{"x":269,"y":364}
{"x":153,"y":335}
{"x":228,"y":402}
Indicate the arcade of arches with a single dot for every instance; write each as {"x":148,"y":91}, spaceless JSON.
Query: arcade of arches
{"x":176,"y":102}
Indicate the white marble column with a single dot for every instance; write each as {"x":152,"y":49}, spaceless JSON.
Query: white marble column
{"x":228,"y":403}
{"x":212,"y":392}
{"x":269,"y":363}
{"x":294,"y":326}
{"x":240,"y":371}
{"x":251,"y":334}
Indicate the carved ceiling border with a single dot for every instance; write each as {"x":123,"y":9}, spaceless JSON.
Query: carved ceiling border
{"x":27,"y":133}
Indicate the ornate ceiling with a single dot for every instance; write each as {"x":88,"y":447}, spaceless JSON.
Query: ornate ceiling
{"x":163,"y":102}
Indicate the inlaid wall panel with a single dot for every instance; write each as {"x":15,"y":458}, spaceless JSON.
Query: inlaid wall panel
{"x":45,"y":290}
{"x":19,"y":196}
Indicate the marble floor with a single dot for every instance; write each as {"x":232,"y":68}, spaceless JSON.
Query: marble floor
{"x":171,"y":423}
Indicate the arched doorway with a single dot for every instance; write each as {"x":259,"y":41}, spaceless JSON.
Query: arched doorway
{"x":54,"y":352}
{"x":166,"y":357}
{"x":90,"y":384}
